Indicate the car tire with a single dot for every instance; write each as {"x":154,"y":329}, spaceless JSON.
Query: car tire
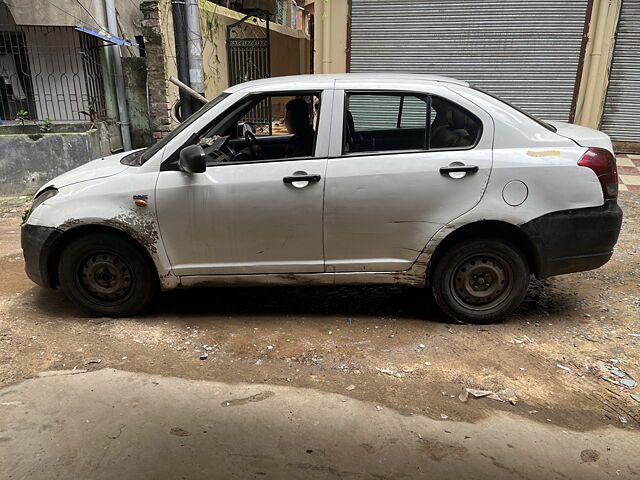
{"x":480,"y":280}
{"x":107,"y":275}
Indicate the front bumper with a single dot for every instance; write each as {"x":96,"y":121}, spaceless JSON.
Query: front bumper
{"x":574,"y":240}
{"x":37,"y":246}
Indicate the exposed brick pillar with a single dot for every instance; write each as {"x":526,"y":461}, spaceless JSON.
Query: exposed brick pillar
{"x":156,"y":69}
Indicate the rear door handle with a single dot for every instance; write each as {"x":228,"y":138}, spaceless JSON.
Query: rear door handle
{"x":301,"y":178}
{"x":459,"y":169}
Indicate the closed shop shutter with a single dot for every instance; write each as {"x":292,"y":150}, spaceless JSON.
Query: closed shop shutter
{"x":525,"y":51}
{"x":621,"y":116}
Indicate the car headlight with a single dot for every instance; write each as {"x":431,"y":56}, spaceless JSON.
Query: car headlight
{"x":41,"y":198}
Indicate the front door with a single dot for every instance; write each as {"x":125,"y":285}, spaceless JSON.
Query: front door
{"x":248,"y":213}
{"x":407,"y":164}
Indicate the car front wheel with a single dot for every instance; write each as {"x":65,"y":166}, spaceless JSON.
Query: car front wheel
{"x":480,"y":281}
{"x":106,"y":275}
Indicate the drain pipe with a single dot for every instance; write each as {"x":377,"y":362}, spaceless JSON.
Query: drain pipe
{"x":194,"y":41}
{"x":123,"y":113}
{"x":178,"y":10}
{"x":108,"y":85}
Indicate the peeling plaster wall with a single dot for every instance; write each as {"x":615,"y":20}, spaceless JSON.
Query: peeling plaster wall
{"x":29,"y":160}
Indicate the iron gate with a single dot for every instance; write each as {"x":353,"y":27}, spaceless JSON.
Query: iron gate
{"x":249,"y":59}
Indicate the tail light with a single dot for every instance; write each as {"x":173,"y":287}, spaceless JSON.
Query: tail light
{"x":603,"y":163}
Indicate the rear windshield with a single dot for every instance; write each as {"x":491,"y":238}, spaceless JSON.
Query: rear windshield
{"x":535,"y":119}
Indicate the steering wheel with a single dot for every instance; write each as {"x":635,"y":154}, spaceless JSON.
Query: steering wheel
{"x":252,"y":142}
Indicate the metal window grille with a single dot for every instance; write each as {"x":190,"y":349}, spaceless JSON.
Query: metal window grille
{"x":50,"y":72}
{"x":281,"y":12}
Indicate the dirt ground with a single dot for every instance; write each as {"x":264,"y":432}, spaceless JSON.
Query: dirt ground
{"x":561,"y":357}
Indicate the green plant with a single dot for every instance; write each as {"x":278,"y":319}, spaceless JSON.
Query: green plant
{"x":22,"y":115}
{"x":25,"y":215}
{"x":46,"y":126}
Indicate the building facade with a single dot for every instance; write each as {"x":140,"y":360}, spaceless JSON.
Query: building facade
{"x":569,"y":60}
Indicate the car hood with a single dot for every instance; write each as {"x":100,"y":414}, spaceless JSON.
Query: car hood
{"x":583,"y":136}
{"x":100,"y":168}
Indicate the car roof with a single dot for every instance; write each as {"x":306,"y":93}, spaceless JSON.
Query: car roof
{"x":326,"y":80}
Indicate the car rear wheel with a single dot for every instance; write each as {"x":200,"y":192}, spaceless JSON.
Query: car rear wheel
{"x":106,"y":275}
{"x":480,"y":281}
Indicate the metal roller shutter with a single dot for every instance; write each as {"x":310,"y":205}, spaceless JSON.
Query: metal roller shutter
{"x":525,"y":51}
{"x":621,"y":116}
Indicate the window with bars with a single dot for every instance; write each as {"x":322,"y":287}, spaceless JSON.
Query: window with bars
{"x":51,"y":73}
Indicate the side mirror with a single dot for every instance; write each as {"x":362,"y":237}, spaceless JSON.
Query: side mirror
{"x":192,"y":159}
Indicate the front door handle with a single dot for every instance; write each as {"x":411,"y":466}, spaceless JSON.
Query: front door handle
{"x":459,"y":169}
{"x":302,"y":178}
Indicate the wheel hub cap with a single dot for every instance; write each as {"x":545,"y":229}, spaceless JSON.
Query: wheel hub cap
{"x":106,"y":277}
{"x":481,"y":282}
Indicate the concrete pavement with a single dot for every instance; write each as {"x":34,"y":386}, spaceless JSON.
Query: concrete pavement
{"x":111,"y":424}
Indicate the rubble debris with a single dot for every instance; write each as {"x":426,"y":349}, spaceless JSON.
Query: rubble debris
{"x":628,"y":382}
{"x":395,"y":373}
{"x":622,"y":419}
{"x":612,"y":374}
{"x":501,"y":396}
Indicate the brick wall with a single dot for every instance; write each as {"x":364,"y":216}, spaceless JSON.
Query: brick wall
{"x":156,"y":69}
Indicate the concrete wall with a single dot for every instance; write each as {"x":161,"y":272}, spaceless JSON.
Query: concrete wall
{"x":134,"y":71}
{"x":331,"y":22}
{"x":74,"y":13}
{"x":289,"y":47}
{"x":597,"y":62}
{"x":29,"y":158}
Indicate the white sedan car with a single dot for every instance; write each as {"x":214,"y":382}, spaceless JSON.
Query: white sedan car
{"x":412,"y":180}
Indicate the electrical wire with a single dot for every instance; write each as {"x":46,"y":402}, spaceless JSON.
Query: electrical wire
{"x":89,"y":13}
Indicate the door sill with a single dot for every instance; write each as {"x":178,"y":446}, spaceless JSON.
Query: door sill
{"x":339,"y":278}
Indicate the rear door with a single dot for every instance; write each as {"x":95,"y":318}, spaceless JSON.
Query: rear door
{"x":401,"y":166}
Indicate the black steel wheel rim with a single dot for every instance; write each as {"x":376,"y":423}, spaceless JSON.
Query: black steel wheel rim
{"x":482,"y":281}
{"x":105,"y":277}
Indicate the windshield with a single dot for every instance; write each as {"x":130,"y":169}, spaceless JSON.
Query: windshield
{"x":142,"y":156}
{"x":535,"y":119}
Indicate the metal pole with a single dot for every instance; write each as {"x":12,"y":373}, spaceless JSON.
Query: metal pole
{"x":123,"y":113}
{"x":182,"y":54}
{"x":194,"y":38}
{"x":188,"y":90}
{"x":111,"y":102}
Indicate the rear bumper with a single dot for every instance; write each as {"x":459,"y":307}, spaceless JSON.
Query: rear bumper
{"x":574,"y":240}
{"x":37,"y":245}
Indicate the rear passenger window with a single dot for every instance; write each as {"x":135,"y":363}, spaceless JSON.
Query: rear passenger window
{"x":381,"y":122}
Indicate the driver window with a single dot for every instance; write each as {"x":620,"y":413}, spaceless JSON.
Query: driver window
{"x":263,"y":128}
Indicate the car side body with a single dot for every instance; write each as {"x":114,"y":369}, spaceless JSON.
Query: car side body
{"x":374,"y":217}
